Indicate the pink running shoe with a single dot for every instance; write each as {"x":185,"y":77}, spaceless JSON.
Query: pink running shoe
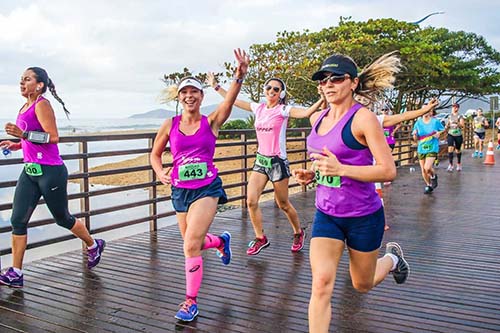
{"x":257,"y":245}
{"x":298,"y":241}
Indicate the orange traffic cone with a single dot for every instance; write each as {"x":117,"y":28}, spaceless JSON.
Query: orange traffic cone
{"x":378,"y":188}
{"x":490,"y":155}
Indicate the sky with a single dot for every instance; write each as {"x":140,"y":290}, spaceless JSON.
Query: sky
{"x":106,"y":58}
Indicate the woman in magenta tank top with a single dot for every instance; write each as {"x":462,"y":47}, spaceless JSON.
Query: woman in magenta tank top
{"x":271,"y":163}
{"x":196,"y":188}
{"x":345,"y":140}
{"x":44,"y":173}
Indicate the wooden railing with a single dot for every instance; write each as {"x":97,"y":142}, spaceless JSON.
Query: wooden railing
{"x":235,"y":179}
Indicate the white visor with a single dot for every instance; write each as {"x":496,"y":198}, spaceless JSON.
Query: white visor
{"x":190,"y":82}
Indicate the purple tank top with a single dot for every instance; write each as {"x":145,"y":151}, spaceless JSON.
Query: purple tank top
{"x":192,"y":155}
{"x":46,"y":153}
{"x":346,"y":197}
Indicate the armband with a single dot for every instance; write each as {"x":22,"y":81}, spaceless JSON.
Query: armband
{"x":217,"y":87}
{"x":36,"y":137}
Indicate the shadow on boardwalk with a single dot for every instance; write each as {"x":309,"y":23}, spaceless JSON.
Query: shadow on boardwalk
{"x":451,"y":239}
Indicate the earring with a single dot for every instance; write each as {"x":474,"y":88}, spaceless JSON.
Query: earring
{"x":37,"y":89}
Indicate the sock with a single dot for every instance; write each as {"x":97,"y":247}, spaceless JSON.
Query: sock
{"x":212,"y":241}
{"x":93,"y":246}
{"x":433,"y":176}
{"x":194,"y":275}
{"x":459,"y":158}
{"x":395,"y":260}
{"x":18,"y":271}
{"x":450,"y":158}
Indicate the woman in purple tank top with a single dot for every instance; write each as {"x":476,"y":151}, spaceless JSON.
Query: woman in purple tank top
{"x":196,"y":188}
{"x":345,"y":140}
{"x":44,"y":173}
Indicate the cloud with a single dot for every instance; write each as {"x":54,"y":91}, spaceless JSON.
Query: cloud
{"x":107,"y":57}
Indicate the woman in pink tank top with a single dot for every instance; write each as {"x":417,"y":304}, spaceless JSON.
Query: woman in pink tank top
{"x":44,"y":173}
{"x":196,"y":188}
{"x":271,"y":163}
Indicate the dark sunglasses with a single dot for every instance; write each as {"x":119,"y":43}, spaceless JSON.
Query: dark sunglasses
{"x":276,"y":89}
{"x":333,"y":79}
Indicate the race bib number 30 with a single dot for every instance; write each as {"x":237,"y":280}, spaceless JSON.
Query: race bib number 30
{"x":33,"y":169}
{"x":330,"y":181}
{"x":263,"y":161}
{"x":193,"y":171}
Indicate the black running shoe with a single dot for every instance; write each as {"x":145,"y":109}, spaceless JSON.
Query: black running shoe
{"x":402,"y":270}
{"x":434,"y":181}
{"x":428,"y":189}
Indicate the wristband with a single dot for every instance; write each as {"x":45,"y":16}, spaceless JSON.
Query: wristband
{"x":217,"y":87}
{"x":238,"y":80}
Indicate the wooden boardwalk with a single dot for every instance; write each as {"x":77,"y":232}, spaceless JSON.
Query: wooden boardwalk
{"x":450,"y":238}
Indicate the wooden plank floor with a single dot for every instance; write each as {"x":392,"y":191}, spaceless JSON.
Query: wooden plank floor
{"x":450,"y":238}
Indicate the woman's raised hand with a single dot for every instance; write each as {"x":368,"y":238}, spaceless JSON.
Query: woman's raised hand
{"x":243,"y":61}
{"x":211,"y":80}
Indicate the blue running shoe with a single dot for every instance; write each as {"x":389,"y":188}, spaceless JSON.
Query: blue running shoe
{"x":94,"y":255}
{"x":480,"y":154}
{"x":188,"y":310}
{"x":475,"y":154}
{"x":225,"y":252}
{"x":12,"y":279}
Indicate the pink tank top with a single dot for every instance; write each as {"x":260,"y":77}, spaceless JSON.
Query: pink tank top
{"x":270,"y":126}
{"x":45,"y":153}
{"x":192,"y":155}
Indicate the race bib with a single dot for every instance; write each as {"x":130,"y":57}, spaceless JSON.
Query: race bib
{"x":455,"y":131}
{"x":33,"y":169}
{"x":330,"y":181}
{"x":426,"y":146}
{"x":193,"y":171}
{"x":386,"y":133}
{"x":263,"y":161}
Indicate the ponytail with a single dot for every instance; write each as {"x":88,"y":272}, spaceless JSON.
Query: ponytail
{"x":378,"y":76}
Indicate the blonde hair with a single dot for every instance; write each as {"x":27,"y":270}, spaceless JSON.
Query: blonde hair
{"x":378,"y":76}
{"x":168,"y":94}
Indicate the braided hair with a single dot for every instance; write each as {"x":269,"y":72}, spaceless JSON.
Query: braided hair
{"x":42,"y":76}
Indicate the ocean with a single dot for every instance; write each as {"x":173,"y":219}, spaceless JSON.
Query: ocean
{"x":84,"y":126}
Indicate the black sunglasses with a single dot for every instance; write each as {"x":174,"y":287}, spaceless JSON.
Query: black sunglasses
{"x":269,"y":87}
{"x":333,"y":79}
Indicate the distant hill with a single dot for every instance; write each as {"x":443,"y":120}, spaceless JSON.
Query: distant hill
{"x":237,"y":113}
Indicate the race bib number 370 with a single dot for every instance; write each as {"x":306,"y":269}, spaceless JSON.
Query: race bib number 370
{"x":193,"y":171}
{"x":330,"y":181}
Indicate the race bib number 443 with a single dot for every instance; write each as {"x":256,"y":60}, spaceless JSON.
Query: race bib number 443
{"x":193,"y":171}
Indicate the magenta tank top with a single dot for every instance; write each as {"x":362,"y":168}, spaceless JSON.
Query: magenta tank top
{"x":343,"y":196}
{"x":45,"y":153}
{"x":192,"y":155}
